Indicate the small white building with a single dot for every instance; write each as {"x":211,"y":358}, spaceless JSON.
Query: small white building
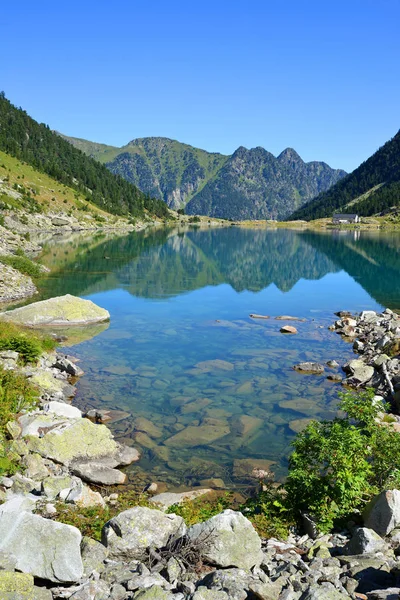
{"x":346,"y":219}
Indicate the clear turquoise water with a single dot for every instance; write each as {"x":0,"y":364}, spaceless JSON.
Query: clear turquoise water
{"x":181,"y":300}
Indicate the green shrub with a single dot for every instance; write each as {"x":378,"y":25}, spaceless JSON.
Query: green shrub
{"x":29,"y":344}
{"x":338,"y":465}
{"x":16,"y":393}
{"x":22,"y":264}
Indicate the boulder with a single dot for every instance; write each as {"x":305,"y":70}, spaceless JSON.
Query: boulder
{"x":155,"y":592}
{"x":52,"y":486}
{"x":323,"y":591}
{"x":42,"y":547}
{"x":359,"y":371}
{"x":62,"y":310}
{"x":60,"y":221}
{"x":288,"y":329}
{"x":62,"y":409}
{"x":128,"y":535}
{"x":67,"y":440}
{"x":309,"y":367}
{"x":35,"y":467}
{"x":167,"y":499}
{"x":98,"y":473}
{"x":365,"y":541}
{"x":228,"y":540}
{"x":203,"y":593}
{"x":93,"y":556}
{"x":383,"y":512}
{"x":81,"y":495}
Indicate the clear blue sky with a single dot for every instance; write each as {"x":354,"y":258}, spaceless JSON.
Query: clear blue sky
{"x":319,"y":76}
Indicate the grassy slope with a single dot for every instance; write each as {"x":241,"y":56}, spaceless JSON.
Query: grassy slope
{"x":51,"y":194}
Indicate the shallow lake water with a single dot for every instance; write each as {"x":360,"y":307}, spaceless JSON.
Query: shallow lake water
{"x":204,"y":390}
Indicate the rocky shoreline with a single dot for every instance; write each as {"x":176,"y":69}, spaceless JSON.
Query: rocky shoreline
{"x":147,"y":554}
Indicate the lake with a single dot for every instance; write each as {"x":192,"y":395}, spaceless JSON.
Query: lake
{"x":204,"y":390}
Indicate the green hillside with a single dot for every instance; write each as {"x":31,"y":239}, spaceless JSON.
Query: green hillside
{"x":373,"y":188}
{"x":35,"y":144}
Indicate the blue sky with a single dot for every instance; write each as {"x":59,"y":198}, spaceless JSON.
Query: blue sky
{"x":319,"y":76}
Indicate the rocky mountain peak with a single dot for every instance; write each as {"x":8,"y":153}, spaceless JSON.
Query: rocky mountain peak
{"x":290,"y":156}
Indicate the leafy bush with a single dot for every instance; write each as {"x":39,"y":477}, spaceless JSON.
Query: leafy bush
{"x":16,"y":393}
{"x":338,"y":465}
{"x":22,"y":264}
{"x":30,"y":345}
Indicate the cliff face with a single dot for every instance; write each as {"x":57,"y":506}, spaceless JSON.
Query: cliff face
{"x":254,"y":184}
{"x":249,"y":184}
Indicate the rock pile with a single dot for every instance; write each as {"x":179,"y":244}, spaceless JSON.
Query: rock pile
{"x":149,"y":555}
{"x":376,"y":338}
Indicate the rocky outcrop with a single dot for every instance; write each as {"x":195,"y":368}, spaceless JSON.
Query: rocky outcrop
{"x":134,"y":531}
{"x":376,"y":338}
{"x":219,"y":537}
{"x":60,"y":311}
{"x":14,"y":285}
{"x":42,"y":548}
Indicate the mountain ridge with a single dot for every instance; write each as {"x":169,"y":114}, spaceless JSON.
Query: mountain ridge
{"x":248,"y":184}
{"x":372,"y":188}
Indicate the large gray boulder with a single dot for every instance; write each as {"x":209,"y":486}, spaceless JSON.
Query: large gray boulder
{"x":228,"y":540}
{"x":63,"y":310}
{"x":131,"y":533}
{"x":365,"y":541}
{"x":42,"y":548}
{"x":323,"y":591}
{"x":359,"y":372}
{"x":383,"y":512}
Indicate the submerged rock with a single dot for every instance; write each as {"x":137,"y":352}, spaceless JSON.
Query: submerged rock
{"x":288,"y":329}
{"x":309,"y":367}
{"x":167,"y":499}
{"x":62,"y":310}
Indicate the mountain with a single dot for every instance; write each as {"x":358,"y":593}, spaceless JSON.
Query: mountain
{"x":254,"y":184}
{"x":373,"y":188}
{"x":249,"y":184}
{"x":35,"y":144}
{"x":163,"y":168}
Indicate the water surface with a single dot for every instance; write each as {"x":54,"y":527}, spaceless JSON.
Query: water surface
{"x":200,"y":384}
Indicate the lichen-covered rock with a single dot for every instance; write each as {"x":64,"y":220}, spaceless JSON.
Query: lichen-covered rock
{"x":16,"y":586}
{"x":43,"y":548}
{"x":155,"y":592}
{"x":52,"y":486}
{"x":93,"y":556}
{"x":323,"y":591}
{"x":35,"y":467}
{"x":135,"y":530}
{"x":203,"y":593}
{"x":74,"y":439}
{"x":62,"y":310}
{"x":218,"y":538}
